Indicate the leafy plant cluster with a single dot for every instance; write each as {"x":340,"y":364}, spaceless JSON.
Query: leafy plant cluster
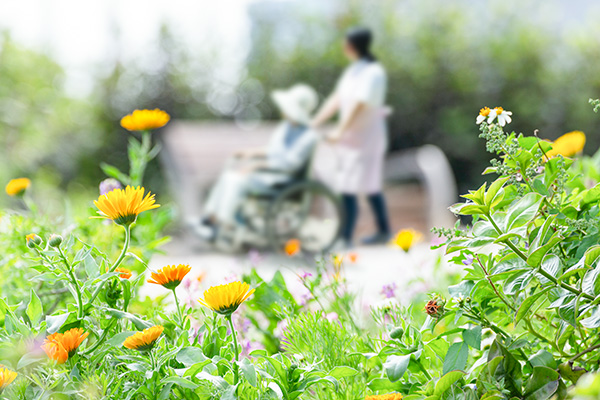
{"x":522,"y":322}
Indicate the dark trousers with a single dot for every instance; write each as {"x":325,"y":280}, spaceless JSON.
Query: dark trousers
{"x":378,"y":207}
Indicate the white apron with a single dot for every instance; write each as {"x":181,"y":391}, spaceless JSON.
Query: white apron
{"x":361,"y":150}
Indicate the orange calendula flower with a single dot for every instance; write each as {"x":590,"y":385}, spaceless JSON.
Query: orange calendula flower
{"x":6,"y":378}
{"x":124,"y":205}
{"x":567,"y":145}
{"x":60,"y":346}
{"x":17,"y":187}
{"x":145,"y":120}
{"x":145,"y":339}
{"x":170,"y":276}
{"x":292,"y":247}
{"x":406,"y":238}
{"x":125,"y":273}
{"x":225,"y":299}
{"x":390,"y":396}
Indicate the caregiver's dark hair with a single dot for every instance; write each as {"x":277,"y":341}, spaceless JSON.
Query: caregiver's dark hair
{"x":360,"y":39}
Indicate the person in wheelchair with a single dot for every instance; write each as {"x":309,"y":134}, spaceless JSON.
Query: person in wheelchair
{"x":281,"y":161}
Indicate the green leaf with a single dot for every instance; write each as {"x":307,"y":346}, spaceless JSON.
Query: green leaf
{"x":591,"y":282}
{"x":114,"y":172}
{"x":395,"y":366}
{"x":180,"y":382}
{"x":537,"y":254}
{"x":472,"y":337}
{"x":568,"y":371}
{"x":477,"y":196}
{"x":521,"y":212}
{"x":55,"y":322}
{"x":492,"y":192}
{"x":456,"y":357}
{"x":138,"y":322}
{"x":542,"y":384}
{"x":591,"y":255}
{"x":248,"y":371}
{"x":446,"y":382}
{"x":190,"y":355}
{"x":528,"y":303}
{"x":34,"y":309}
{"x":593,"y":321}
{"x":119,"y":338}
{"x":342,"y":372}
{"x":543,"y":358}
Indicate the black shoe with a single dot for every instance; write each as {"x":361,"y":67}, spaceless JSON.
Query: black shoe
{"x":378,"y":238}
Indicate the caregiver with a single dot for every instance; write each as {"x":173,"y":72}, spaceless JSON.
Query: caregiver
{"x":360,"y":137}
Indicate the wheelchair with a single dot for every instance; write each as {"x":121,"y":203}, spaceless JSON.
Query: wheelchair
{"x":301,"y":208}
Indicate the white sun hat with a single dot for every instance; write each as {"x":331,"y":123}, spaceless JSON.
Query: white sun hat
{"x":297,"y":102}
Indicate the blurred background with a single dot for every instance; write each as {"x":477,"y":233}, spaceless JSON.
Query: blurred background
{"x":69,"y":70}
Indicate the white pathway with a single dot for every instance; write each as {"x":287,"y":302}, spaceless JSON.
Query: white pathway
{"x":419,"y":271}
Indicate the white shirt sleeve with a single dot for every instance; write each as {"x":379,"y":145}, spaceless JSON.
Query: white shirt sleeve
{"x":370,"y":86}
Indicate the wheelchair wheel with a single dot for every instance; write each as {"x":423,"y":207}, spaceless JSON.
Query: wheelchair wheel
{"x":307,"y":211}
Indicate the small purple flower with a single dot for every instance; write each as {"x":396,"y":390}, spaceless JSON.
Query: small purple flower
{"x":303,"y":275}
{"x":389,"y":291}
{"x":540,"y":169}
{"x":108,"y":185}
{"x":468,"y":260}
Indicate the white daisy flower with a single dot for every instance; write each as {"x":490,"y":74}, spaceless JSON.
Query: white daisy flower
{"x":502,"y":115}
{"x":483,"y":114}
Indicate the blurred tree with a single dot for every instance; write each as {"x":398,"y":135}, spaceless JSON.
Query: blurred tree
{"x":42,"y":129}
{"x":445,"y":60}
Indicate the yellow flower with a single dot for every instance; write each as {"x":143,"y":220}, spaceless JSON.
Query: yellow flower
{"x":225,"y":299}
{"x":6,"y":378}
{"x":390,"y":396}
{"x":406,"y":238}
{"x":17,"y":187}
{"x":145,"y":120}
{"x":125,"y":273}
{"x":170,"y":276}
{"x":124,"y":205}
{"x":292,"y":247}
{"x":567,"y":145}
{"x":60,"y":346}
{"x":145,"y":339}
{"x":338,"y":262}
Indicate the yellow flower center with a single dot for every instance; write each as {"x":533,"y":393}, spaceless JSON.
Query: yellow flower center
{"x":499,"y":110}
{"x":485,"y":111}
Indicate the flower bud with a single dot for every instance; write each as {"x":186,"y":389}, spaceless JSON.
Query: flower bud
{"x":435,"y":307}
{"x":55,"y":240}
{"x":397,"y":333}
{"x":33,"y":240}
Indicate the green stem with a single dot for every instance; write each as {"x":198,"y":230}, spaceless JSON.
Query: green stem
{"x":116,"y":264}
{"x":74,"y":281}
{"x":102,"y":338}
{"x":425,"y":372}
{"x":535,"y":333}
{"x":179,"y":314}
{"x":540,"y":270}
{"x":237,"y":352}
{"x":137,"y":171}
